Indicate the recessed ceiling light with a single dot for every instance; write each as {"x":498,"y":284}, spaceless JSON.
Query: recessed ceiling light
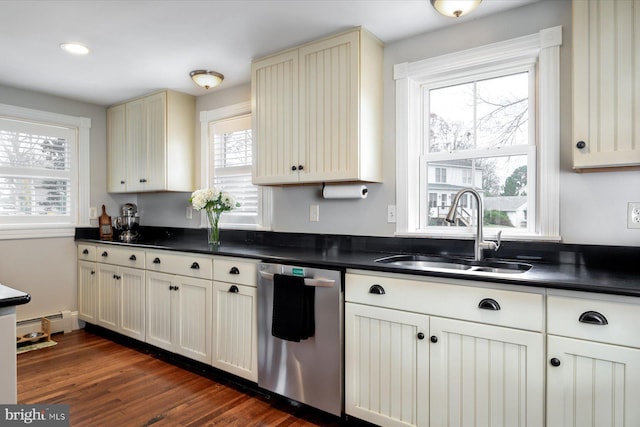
{"x":75,"y":48}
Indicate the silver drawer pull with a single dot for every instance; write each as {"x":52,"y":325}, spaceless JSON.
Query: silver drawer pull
{"x":319,"y":282}
{"x":593,"y":318}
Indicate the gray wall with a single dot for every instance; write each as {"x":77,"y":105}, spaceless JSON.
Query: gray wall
{"x":46,"y":268}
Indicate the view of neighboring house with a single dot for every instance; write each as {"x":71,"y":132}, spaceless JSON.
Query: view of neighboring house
{"x":445,"y":179}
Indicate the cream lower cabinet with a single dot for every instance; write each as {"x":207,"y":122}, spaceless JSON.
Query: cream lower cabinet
{"x":179,"y":302}
{"x":386,"y":366}
{"x":121,"y":291}
{"x":87,"y":291}
{"x":593,"y":351}
{"x":87,"y":283}
{"x":179,"y":315}
{"x":235,"y":325}
{"x":450,"y":353}
{"x":485,"y":375}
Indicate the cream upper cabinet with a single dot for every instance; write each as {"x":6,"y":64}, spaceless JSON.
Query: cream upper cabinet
{"x":151,"y":144}
{"x":116,"y":149}
{"x":606,"y":83}
{"x":317,"y":112}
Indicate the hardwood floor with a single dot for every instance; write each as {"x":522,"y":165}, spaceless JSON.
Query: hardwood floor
{"x":108,"y":384}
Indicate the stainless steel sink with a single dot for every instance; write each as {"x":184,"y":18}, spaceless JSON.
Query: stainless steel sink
{"x":423,"y":262}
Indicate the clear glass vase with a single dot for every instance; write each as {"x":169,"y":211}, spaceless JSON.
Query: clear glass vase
{"x":213,"y":233}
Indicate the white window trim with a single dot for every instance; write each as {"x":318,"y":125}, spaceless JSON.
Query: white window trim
{"x":264,"y":200}
{"x":80,"y":215}
{"x":543,"y":47}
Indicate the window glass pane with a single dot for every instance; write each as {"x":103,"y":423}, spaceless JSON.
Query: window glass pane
{"x":231,"y":143}
{"x":36,"y":169}
{"x":501,"y":181}
{"x":488,"y":113}
{"x":502,"y":111}
{"x":451,"y":119}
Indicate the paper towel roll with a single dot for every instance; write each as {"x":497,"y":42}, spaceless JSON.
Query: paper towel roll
{"x":346,"y":191}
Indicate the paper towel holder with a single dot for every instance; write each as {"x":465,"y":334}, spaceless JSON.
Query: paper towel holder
{"x":345,"y":191}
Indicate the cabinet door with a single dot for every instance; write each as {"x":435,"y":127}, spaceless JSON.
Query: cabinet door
{"x":235,"y":340}
{"x":386,"y":366}
{"x":485,"y":375}
{"x":108,"y":296}
{"x":159,"y":313}
{"x":116,"y":149}
{"x":193,"y":317}
{"x":275,"y":119}
{"x":329,"y":88}
{"x":594,"y":384}
{"x":87,"y":291}
{"x":132,"y":302}
{"x":155,"y":111}
{"x":136,"y":144}
{"x":606,"y":83}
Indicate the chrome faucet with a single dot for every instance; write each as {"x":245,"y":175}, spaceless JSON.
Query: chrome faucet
{"x":480,"y":244}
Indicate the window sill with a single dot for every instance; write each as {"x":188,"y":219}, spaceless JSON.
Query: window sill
{"x":471,"y":235}
{"x":16,"y":233}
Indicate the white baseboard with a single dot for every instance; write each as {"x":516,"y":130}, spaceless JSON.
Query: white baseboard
{"x":65,"y":321}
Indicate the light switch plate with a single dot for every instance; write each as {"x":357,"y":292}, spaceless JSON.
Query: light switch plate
{"x":391,"y":214}
{"x":314,"y":213}
{"x":93,"y":212}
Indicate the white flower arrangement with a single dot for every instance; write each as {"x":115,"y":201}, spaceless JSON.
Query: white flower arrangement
{"x":211,"y":199}
{"x":213,"y":202}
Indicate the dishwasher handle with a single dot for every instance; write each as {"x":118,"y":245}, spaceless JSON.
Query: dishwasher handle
{"x":308,"y":281}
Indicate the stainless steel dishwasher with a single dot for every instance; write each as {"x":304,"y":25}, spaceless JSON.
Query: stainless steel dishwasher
{"x":311,"y":370}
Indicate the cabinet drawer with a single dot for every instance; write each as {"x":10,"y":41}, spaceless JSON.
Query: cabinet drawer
{"x":126,"y":257}
{"x":476,"y":303}
{"x":606,"y":321}
{"x":235,"y":270}
{"x":86,"y":253}
{"x":192,"y":265}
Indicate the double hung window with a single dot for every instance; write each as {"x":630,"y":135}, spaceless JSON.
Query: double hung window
{"x":487,"y":119}
{"x":229,"y":165}
{"x":40,"y":173}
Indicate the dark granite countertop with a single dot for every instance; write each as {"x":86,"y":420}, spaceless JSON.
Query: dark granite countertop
{"x":10,"y":297}
{"x":602,"y":269}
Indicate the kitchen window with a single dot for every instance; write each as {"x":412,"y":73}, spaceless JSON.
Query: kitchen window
{"x":229,"y":163}
{"x":486,"y":118}
{"x":43,"y":184}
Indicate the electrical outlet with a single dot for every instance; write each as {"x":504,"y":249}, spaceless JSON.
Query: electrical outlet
{"x":391,"y":214}
{"x":633,"y":215}
{"x":189,"y":212}
{"x":314,"y":213}
{"x":93,"y":212}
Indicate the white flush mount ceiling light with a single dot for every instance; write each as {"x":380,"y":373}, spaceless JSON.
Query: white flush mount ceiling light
{"x":454,"y":8}
{"x":206,"y":79}
{"x":75,"y":48}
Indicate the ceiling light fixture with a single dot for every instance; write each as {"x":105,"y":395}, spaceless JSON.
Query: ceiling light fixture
{"x":75,"y":48}
{"x":206,"y":79}
{"x":454,"y":8}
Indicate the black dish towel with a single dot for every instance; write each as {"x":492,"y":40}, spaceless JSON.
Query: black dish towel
{"x":293,"y":308}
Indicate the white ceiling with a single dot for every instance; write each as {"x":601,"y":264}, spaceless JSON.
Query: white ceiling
{"x":140,"y":46}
